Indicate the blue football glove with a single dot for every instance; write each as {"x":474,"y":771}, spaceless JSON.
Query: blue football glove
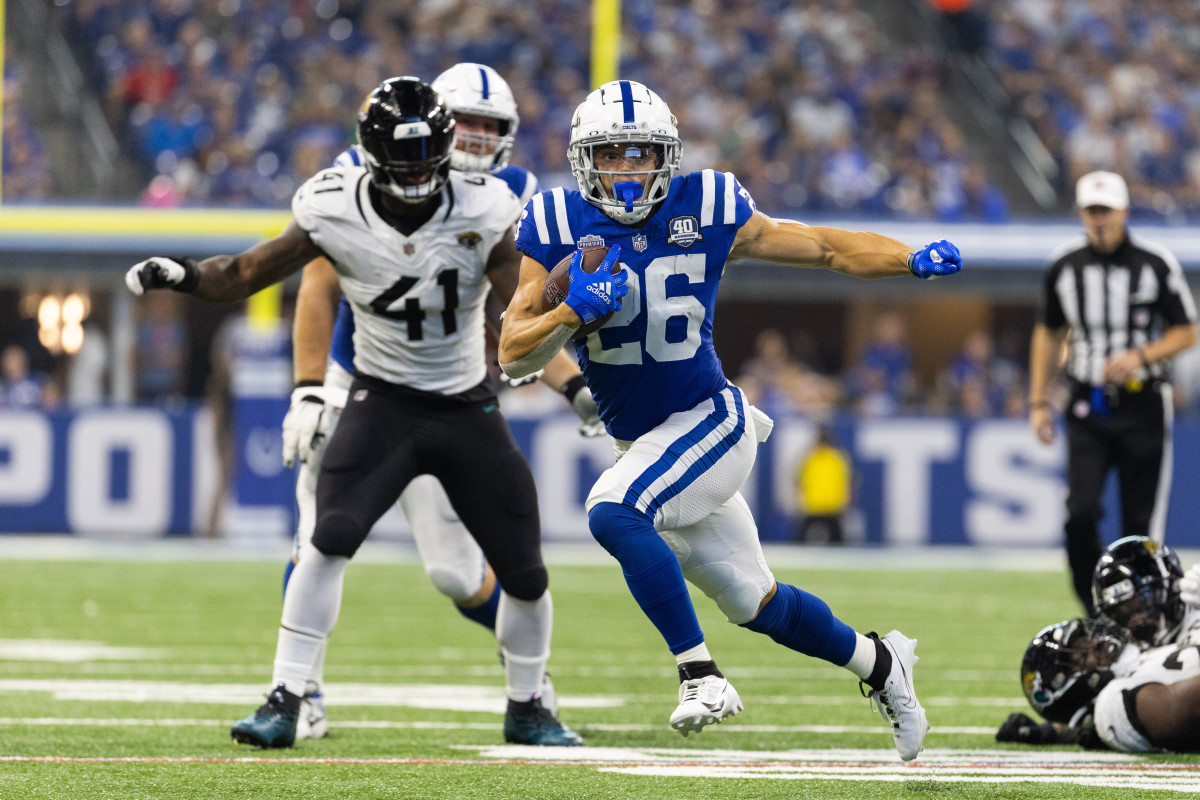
{"x":593,"y":294}
{"x":935,"y":260}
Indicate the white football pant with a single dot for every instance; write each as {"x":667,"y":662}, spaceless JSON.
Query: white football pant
{"x":696,"y":506}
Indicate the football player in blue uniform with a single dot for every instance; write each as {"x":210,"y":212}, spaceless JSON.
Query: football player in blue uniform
{"x":670,"y":509}
{"x":486,"y":122}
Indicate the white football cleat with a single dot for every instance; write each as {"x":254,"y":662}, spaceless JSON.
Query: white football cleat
{"x":897,"y":702}
{"x":704,"y":701}
{"x":312,"y":723}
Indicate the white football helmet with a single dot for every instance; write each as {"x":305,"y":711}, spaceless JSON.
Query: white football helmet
{"x":479,"y":89}
{"x":619,"y":112}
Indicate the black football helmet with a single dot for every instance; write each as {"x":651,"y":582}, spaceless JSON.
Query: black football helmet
{"x":1067,"y":664}
{"x":1136,"y":585}
{"x":407,"y":132}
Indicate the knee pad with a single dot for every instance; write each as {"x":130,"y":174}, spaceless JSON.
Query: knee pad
{"x":527,"y":584}
{"x":737,"y":594}
{"x":338,"y":534}
{"x":453,"y":582}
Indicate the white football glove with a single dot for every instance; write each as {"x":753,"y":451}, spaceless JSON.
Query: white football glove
{"x":1189,"y":586}
{"x":585,"y":406}
{"x":309,"y":423}
{"x":515,"y":382}
{"x":159,"y":272}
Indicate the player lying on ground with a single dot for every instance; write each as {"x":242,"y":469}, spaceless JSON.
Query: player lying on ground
{"x":1132,"y":687}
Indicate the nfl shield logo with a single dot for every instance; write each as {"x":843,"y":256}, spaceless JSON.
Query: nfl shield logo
{"x":640,"y":242}
{"x":409,"y":248}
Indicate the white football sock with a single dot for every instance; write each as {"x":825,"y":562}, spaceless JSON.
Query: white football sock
{"x":310,"y":610}
{"x":697,"y":653}
{"x":862,"y":663}
{"x":523,"y":633}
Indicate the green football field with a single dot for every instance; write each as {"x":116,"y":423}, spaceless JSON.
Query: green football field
{"x":119,"y":678}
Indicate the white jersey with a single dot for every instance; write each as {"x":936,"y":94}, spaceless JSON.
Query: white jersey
{"x":1166,"y":665}
{"x":417,"y":300}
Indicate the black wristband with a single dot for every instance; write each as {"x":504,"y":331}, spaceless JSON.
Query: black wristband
{"x":191,"y":276}
{"x":572,"y":387}
{"x":302,"y":384}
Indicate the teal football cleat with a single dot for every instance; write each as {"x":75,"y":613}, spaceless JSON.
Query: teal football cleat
{"x":532,"y":723}
{"x":273,"y":724}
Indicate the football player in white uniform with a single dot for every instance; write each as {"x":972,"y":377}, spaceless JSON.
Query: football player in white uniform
{"x":1127,"y":698}
{"x":415,"y":248}
{"x":485,"y":114}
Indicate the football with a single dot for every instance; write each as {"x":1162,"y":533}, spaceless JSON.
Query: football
{"x":559,"y":280}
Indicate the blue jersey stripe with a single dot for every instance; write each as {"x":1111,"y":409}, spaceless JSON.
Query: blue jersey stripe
{"x":704,"y":462}
{"x":676,"y":451}
{"x":483,"y":75}
{"x":627,"y":100}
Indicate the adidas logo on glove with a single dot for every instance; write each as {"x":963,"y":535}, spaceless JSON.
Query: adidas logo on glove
{"x":602,"y":292}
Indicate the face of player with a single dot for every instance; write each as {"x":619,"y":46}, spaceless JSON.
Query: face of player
{"x":632,"y":162}
{"x":1105,"y":227}
{"x":477,"y":135}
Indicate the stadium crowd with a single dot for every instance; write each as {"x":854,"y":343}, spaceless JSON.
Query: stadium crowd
{"x":235,"y":103}
{"x":1113,"y":86}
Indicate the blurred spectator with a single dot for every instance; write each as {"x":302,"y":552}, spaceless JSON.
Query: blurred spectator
{"x":978,"y":382}
{"x":160,"y":347}
{"x":87,"y":369}
{"x":770,"y":377}
{"x":882,"y":381}
{"x":824,"y":485}
{"x":20,"y":389}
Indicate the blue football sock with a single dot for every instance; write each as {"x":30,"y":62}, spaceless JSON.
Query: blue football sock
{"x":485,"y":614}
{"x":651,"y":571}
{"x":803,"y":622}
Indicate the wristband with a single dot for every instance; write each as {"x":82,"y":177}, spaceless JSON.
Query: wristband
{"x":572,"y":387}
{"x":1141,"y":352}
{"x":909,"y":263}
{"x":302,"y":384}
{"x":191,"y":276}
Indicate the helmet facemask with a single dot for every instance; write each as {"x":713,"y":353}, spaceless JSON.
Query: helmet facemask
{"x":492,"y":150}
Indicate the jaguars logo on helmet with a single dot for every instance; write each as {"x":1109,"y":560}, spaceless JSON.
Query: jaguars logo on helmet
{"x":1067,"y":664}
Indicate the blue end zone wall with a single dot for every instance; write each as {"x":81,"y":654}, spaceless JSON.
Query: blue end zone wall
{"x":149,"y":471}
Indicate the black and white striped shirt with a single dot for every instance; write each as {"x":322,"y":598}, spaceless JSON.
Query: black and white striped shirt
{"x":1114,"y":302}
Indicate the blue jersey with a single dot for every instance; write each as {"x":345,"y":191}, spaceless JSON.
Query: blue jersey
{"x":655,"y":356}
{"x":521,"y":181}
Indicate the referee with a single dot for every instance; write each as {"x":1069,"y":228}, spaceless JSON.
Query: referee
{"x":1125,"y":309}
